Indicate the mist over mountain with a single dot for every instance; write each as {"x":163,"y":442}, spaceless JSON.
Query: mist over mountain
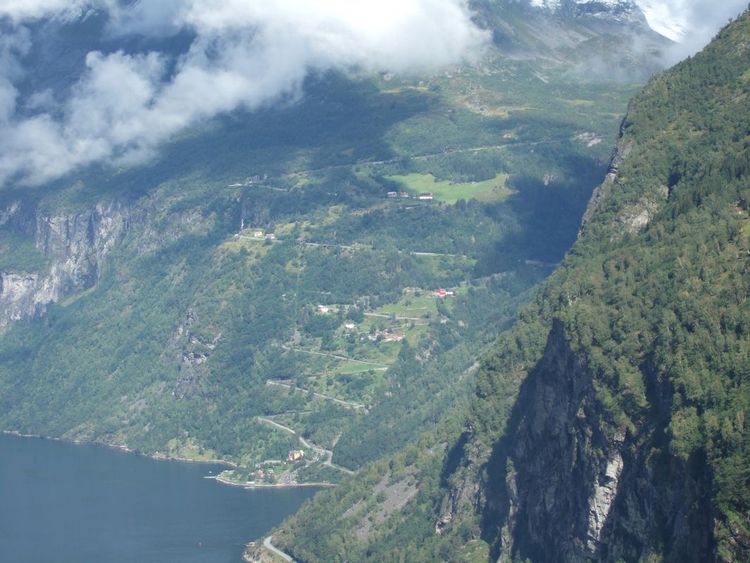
{"x":145,"y":76}
{"x":124,"y":104}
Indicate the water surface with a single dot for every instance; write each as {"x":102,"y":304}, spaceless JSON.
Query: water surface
{"x":67,"y":503}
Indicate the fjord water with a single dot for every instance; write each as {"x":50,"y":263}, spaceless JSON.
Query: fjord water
{"x":62,"y":502}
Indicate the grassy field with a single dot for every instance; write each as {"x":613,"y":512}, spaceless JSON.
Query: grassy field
{"x":411,"y":306}
{"x":351,"y":368}
{"x":450,"y":192}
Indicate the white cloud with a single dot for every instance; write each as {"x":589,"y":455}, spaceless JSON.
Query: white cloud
{"x":664,"y":18}
{"x":691,"y":23}
{"x":21,"y":10}
{"x":246,"y":54}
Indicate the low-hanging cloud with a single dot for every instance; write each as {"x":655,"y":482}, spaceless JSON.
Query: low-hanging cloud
{"x":245,"y":54}
{"x":691,"y":23}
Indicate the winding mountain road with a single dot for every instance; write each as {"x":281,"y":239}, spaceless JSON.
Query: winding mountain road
{"x":398,"y":318}
{"x":268,"y":544}
{"x":343,"y":403}
{"x":379,"y":367}
{"x":328,"y":454}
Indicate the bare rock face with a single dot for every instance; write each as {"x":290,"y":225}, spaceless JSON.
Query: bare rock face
{"x":567,"y":466}
{"x":603,"y":192}
{"x":464,"y":495}
{"x":23,"y":296}
{"x":75,"y":246}
{"x":569,"y":483}
{"x":601,"y":500}
{"x":193,"y":351}
{"x":637,"y":217}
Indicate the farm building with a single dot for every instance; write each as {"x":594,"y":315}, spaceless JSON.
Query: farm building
{"x":296,"y":455}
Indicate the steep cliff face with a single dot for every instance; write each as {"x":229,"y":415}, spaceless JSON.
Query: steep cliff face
{"x":75,"y":247}
{"x":561,"y":442}
{"x":572,"y":484}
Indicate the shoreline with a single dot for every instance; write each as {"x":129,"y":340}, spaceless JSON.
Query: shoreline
{"x":125,"y":449}
{"x":162,"y":457}
{"x":252,"y":485}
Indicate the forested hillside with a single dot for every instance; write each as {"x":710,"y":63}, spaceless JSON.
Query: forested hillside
{"x":610,"y":422}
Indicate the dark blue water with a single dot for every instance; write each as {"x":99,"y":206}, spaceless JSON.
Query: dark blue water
{"x":66,"y":503}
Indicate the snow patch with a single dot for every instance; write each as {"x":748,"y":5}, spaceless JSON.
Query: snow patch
{"x":547,"y":4}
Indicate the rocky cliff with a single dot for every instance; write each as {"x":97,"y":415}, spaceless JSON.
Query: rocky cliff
{"x":75,"y":247}
{"x":572,"y":484}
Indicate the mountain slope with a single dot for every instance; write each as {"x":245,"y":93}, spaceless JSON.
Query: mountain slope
{"x":628,"y":436}
{"x":609,"y":39}
{"x":610,"y":422}
{"x":612,"y":10}
{"x":259,"y":269}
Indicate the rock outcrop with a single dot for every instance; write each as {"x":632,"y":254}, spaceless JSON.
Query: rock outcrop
{"x":75,"y":246}
{"x":567,"y":462}
{"x":570,"y":482}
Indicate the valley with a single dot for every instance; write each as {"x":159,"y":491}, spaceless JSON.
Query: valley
{"x":486,"y":287}
{"x":300,"y":289}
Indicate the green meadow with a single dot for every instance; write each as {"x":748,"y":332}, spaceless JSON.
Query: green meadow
{"x":492,"y":190}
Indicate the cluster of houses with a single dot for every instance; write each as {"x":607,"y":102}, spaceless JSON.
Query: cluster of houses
{"x":264,"y":472}
{"x":443,"y":292}
{"x":262,"y":475}
{"x":437,"y":293}
{"x":385,"y":336}
{"x":250,"y":180}
{"x":261,"y":235}
{"x":256,"y":179}
{"x":425,"y":196}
